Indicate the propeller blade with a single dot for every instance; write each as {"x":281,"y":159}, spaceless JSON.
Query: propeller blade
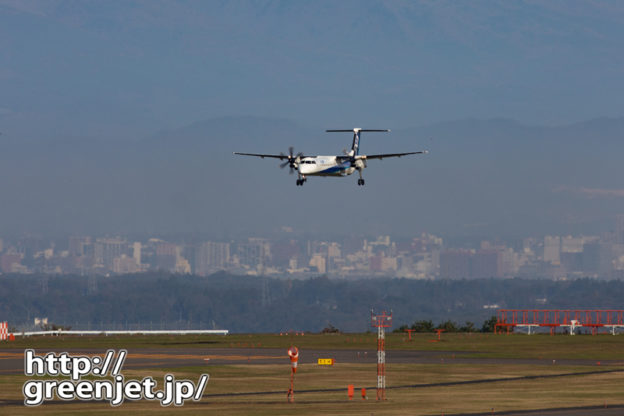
{"x":293,"y":160}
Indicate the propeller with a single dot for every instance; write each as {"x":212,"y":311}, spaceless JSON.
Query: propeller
{"x":293,"y":160}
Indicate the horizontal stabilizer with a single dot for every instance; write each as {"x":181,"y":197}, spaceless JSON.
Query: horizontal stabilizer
{"x":356,"y":130}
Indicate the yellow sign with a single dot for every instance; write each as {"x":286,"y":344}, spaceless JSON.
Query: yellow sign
{"x":325,"y":361}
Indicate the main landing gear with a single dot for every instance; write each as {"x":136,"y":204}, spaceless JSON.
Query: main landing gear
{"x":301,"y":181}
{"x":361,"y":180}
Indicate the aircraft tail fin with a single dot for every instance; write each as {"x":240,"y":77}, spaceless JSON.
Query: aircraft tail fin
{"x":355,"y":146}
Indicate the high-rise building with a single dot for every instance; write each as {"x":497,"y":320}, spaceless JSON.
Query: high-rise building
{"x":77,"y":245}
{"x":455,"y":264}
{"x":253,"y":252}
{"x":136,"y":253}
{"x":124,"y":264}
{"x":10,"y":261}
{"x":182,"y":266}
{"x":571,"y":244}
{"x":510,"y":262}
{"x":167,"y":256}
{"x":211,"y":257}
{"x":107,"y":249}
{"x":552,"y":249}
{"x":374,"y":263}
{"x":319,"y":263}
{"x":282,"y":252}
{"x":468,"y":264}
{"x":486,"y":264}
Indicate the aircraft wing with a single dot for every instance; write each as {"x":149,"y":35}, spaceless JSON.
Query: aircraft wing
{"x":385,"y":155}
{"x":281,"y":157}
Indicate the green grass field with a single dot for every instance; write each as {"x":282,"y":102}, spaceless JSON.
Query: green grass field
{"x":512,"y":394}
{"x":542,"y":346}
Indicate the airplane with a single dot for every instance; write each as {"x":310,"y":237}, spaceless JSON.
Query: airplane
{"x":339,"y":165}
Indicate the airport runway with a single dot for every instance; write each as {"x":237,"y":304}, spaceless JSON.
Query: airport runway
{"x":573,"y":411}
{"x":12,"y":360}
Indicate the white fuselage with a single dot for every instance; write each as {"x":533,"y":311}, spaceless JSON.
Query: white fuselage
{"x":324,"y":166}
{"x":337,"y":165}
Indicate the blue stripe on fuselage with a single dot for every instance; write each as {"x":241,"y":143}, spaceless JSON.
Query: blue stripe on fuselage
{"x":334,"y":170}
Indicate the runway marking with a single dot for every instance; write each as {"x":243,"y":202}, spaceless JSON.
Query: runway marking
{"x":20,"y":355}
{"x":203,"y":357}
{"x":6,"y":355}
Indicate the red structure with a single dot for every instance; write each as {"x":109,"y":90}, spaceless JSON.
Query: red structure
{"x":507,"y":319}
{"x":381,"y":322}
{"x":4,"y":331}
{"x":439,"y":332}
{"x":409,"y":331}
{"x":293,"y":354}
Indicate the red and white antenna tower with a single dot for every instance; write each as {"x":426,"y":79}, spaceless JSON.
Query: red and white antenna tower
{"x":293,"y":354}
{"x":381,"y":322}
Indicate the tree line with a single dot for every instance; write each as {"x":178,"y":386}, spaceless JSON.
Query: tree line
{"x":449,"y":326}
{"x":260,"y":304}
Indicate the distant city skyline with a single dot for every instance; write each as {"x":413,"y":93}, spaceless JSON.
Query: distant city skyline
{"x":287,"y":254}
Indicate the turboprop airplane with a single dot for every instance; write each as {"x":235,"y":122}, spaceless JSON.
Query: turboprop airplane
{"x":339,"y":165}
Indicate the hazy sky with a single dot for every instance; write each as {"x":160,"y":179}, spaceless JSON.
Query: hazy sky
{"x":131,"y":68}
{"x":76,"y":73}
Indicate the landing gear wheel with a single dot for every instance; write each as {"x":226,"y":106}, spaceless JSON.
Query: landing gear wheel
{"x":360,"y":182}
{"x":300,"y":182}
